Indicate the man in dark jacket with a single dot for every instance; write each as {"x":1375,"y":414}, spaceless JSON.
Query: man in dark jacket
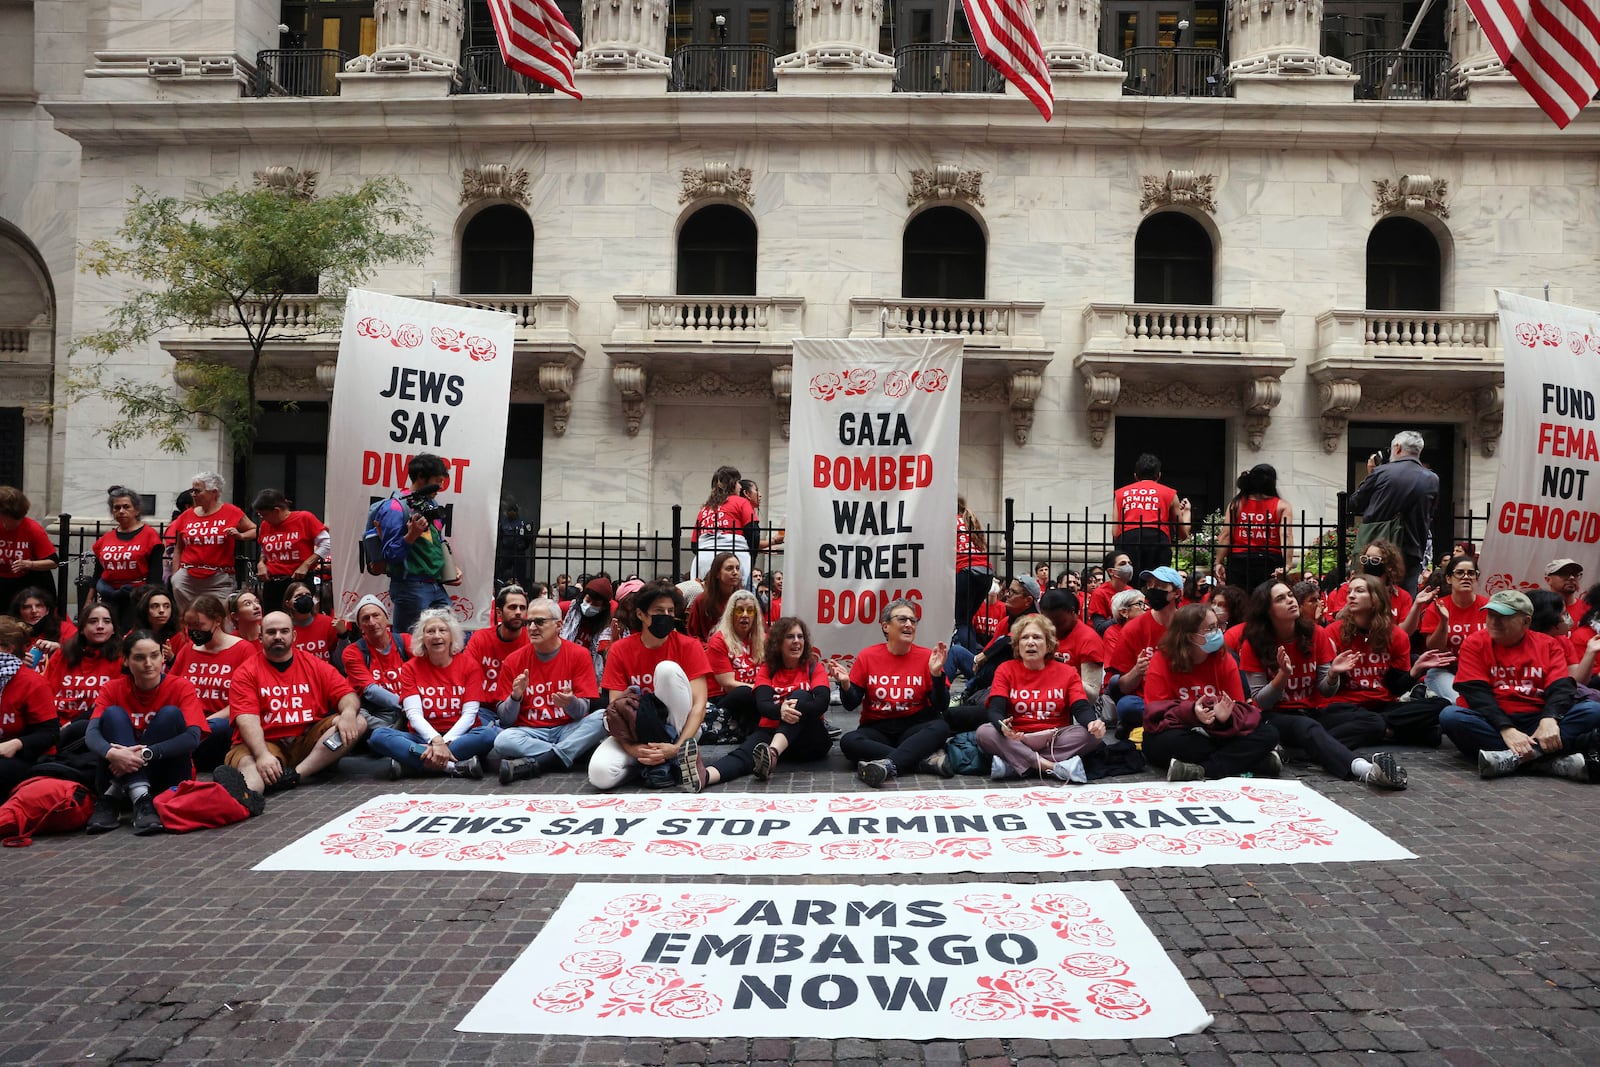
{"x":1401,"y":489}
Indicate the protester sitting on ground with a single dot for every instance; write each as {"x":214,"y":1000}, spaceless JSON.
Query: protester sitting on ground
{"x":1383,"y":677}
{"x":1093,"y":576}
{"x":901,"y":691}
{"x":990,"y":620}
{"x":1196,"y":719}
{"x":29,"y":723}
{"x":1228,"y":601}
{"x":207,"y":657}
{"x":547,"y":701}
{"x":1130,"y":659}
{"x":203,"y":540}
{"x":126,"y":557}
{"x":292,"y":544}
{"x":973,"y":575}
{"x":726,"y":522}
{"x":1040,"y":719}
{"x":655,"y":685}
{"x":1257,"y":539}
{"x":1565,"y":576}
{"x":1076,"y":643}
{"x":1308,"y":594}
{"x":152,"y":611}
{"x":1550,"y":616}
{"x":35,"y":607}
{"x":1020,"y":597}
{"x":587,"y":622}
{"x":293,"y":714}
{"x":1585,"y":618}
{"x":144,"y":728}
{"x":1516,"y":703}
{"x":88,"y":660}
{"x":723,"y":580}
{"x":373,"y":664}
{"x":735,"y":648}
{"x":1291,"y":670}
{"x":315,"y":632}
{"x":441,"y":691}
{"x":245,"y":614}
{"x":1069,"y":580}
{"x":1447,"y":620}
{"x":1125,"y":607}
{"x":490,"y":647}
{"x":1118,"y":578}
{"x":1381,"y":559}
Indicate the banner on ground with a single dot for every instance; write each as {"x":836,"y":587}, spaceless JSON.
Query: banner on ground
{"x":874,"y":435}
{"x":1547,"y":497}
{"x":986,"y":959}
{"x":802,"y":834}
{"x":418,"y":376}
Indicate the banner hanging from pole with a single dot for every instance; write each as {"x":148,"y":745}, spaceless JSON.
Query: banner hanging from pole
{"x":418,"y":376}
{"x":874,"y":436}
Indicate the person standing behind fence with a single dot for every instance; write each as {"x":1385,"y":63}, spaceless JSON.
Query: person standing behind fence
{"x":1149,"y":516}
{"x":973,"y":574}
{"x":1257,"y":540}
{"x":1396,"y":501}
{"x":202,"y":540}
{"x":293,"y":544}
{"x":125,"y":557}
{"x":27,"y":558}
{"x":752,"y":492}
{"x":725,"y":523}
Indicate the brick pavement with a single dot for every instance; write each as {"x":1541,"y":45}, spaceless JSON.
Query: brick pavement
{"x":123,"y":950}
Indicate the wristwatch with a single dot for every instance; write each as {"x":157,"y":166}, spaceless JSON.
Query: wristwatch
{"x":146,"y":755}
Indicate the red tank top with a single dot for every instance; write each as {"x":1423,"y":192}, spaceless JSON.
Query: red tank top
{"x":1255,"y":527}
{"x":1144,"y":503}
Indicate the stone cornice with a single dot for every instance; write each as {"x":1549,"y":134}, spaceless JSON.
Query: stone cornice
{"x":1124,"y":121}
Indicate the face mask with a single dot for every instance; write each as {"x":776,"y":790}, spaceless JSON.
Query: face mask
{"x":1125,"y":572}
{"x":304,"y":603}
{"x":1157,"y":598}
{"x":589,"y":610}
{"x":1212,"y":642}
{"x":200,"y":637}
{"x":38,"y":627}
{"x":662,"y":625}
{"x":1375,"y":569}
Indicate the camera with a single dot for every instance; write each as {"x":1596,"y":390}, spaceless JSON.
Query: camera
{"x":422,"y":502}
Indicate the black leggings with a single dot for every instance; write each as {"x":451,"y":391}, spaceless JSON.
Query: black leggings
{"x":808,"y":741}
{"x":1222,"y":757}
{"x":1329,"y":738}
{"x":904,"y":742}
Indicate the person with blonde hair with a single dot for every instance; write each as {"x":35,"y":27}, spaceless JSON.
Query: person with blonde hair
{"x":440,"y":693}
{"x":1041,"y":720}
{"x":734,"y":650}
{"x":202,"y":539}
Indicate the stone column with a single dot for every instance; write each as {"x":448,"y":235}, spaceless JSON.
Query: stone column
{"x":419,"y":38}
{"x":1478,"y":71}
{"x":1069,"y":30}
{"x":624,"y":48}
{"x":1277,"y":46}
{"x":836,"y":49}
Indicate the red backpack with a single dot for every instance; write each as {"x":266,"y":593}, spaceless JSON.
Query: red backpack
{"x":195,"y":805}
{"x":43,"y":806}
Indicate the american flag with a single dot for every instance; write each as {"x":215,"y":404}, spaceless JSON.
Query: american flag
{"x":1003,"y":31}
{"x":536,"y":41}
{"x":1552,"y":46}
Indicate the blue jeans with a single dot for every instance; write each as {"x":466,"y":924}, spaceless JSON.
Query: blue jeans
{"x":116,"y":726}
{"x":1441,"y":682}
{"x":397,"y":745}
{"x":411,"y":597}
{"x":958,"y":660}
{"x":571,"y":741}
{"x":1471,"y":732}
{"x":380,"y":707}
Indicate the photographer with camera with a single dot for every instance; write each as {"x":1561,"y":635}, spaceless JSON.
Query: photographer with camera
{"x":416,"y":557}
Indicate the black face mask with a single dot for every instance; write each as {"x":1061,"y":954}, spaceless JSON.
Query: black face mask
{"x":304,"y":603}
{"x":662,"y":625}
{"x":1374,"y":569}
{"x":200,"y":637}
{"x":38,"y":628}
{"x":1157,"y":598}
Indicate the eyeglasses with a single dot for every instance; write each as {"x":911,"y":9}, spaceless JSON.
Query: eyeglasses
{"x":1376,"y":561}
{"x":1463,"y":574}
{"x":541,"y":621}
{"x":912,"y":619}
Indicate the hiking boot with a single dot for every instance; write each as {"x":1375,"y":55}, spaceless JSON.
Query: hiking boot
{"x":396,"y":770}
{"x":691,"y":766}
{"x":466,"y":768}
{"x":107,"y":815}
{"x":1179,"y":771}
{"x":764,"y":759}
{"x":232,"y":781}
{"x":938,"y":763}
{"x":875,"y":772}
{"x":1271,"y":764}
{"x":1386,"y":772}
{"x":517,"y":770}
{"x":286,"y":781}
{"x":145,"y":820}
{"x":1070,"y":770}
{"x":1497,"y":762}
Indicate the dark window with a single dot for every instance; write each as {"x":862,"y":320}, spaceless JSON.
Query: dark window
{"x":1192,"y":452}
{"x":1402,"y":267}
{"x":1351,"y":26}
{"x":519,"y":491}
{"x":290,"y":453}
{"x":943,"y":256}
{"x":11,"y":436}
{"x":717,"y":253}
{"x":1172,"y":257}
{"x":497,"y":252}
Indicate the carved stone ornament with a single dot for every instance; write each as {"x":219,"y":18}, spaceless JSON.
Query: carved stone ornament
{"x":295,"y":383}
{"x":1261,"y":395}
{"x":994,"y":391}
{"x":38,"y":414}
{"x":1180,"y":188}
{"x":945,"y":182}
{"x":555,"y":382}
{"x":494,"y":181}
{"x":706,"y":384}
{"x":1102,"y":390}
{"x":1413,"y":192}
{"x":717,"y":181}
{"x":325,"y":375}
{"x":631,"y":382}
{"x":1025,"y":388}
{"x":782,"y":391}
{"x":1176,"y":394}
{"x":289,"y":181}
{"x":1489,"y":408}
{"x":1337,"y":399}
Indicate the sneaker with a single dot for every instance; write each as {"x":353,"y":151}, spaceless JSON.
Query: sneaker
{"x":764,"y":759}
{"x":286,"y":781}
{"x":1418,"y":692}
{"x":106,"y":815}
{"x":1386,"y":771}
{"x":999,"y":769}
{"x":1271,"y":765}
{"x":517,"y":770}
{"x":1070,"y":770}
{"x":691,"y":766}
{"x":396,"y":770}
{"x":145,"y":820}
{"x":1576,"y":766}
{"x":834,"y":733}
{"x":1179,"y":771}
{"x":938,"y":763}
{"x":466,"y":768}
{"x":661,"y":777}
{"x":232,"y":781}
{"x":1497,"y":763}
{"x":875,"y":772}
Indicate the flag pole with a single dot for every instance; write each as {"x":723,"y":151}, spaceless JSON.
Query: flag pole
{"x":950,"y":22}
{"x":1411,"y":35}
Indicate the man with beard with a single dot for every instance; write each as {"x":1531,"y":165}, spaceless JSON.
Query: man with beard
{"x":490,"y":648}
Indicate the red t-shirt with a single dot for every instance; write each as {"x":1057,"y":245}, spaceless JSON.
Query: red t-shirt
{"x":385,"y":669}
{"x":204,"y":545}
{"x":442,"y":690}
{"x":1233,"y":638}
{"x":77,"y":687}
{"x":630,"y":663}
{"x":742,"y":667}
{"x":1212,"y":676}
{"x":894,"y":687}
{"x":67,"y":632}
{"x":1463,"y":621}
{"x":487,"y":650}
{"x":990,"y":620}
{"x":287,"y":701}
{"x":1256,"y":527}
{"x":731,"y":518}
{"x":1399,"y":602}
{"x":211,"y":673}
{"x":1137,"y":635}
{"x":141,"y":705}
{"x":1579,"y":639}
{"x":27,"y":541}
{"x":1040,"y":700}
{"x":1518,"y":675}
{"x":967,"y":554}
{"x":27,"y":700}
{"x":790,"y":680}
{"x":1080,"y":646}
{"x":125,"y":561}
{"x":1300,"y":692}
{"x":571,"y":668}
{"x":774,"y":610}
{"x":1100,"y":600}
{"x":1363,"y":684}
{"x":1144,"y":503}
{"x":317,"y":637}
{"x":290,"y":543}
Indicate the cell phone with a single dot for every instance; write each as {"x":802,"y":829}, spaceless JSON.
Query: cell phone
{"x":333,"y":742}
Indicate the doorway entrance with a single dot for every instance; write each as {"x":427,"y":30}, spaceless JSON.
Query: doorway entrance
{"x":1438,"y":455}
{"x":1193,"y":455}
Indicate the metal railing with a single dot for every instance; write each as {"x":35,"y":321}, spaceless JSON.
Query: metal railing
{"x":723,"y":68}
{"x":484,"y":71}
{"x":1174,"y":72}
{"x":944,"y":68}
{"x":298,"y":72}
{"x":1402,"y":74}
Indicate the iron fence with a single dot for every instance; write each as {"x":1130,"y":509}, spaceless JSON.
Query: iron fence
{"x":944,"y":68}
{"x":1174,"y":72}
{"x":484,"y":71}
{"x":1401,"y":74}
{"x":298,"y":72}
{"x":723,"y":68}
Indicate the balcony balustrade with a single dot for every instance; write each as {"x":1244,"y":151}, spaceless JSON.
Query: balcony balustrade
{"x":720,"y":68}
{"x":1395,"y":74}
{"x":981,"y":323}
{"x":1174,"y":72}
{"x":708,"y":319}
{"x":944,"y":68}
{"x":298,"y":72}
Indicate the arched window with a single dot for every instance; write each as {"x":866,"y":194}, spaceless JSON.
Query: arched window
{"x":497,"y":252}
{"x":1172,"y":257}
{"x":943,"y":256}
{"x":1403,"y":267}
{"x":717,"y":253}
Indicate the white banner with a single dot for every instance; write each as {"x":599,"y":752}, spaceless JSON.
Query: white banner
{"x":804,"y":834}
{"x":417,"y":376}
{"x":988,"y":959}
{"x":874,"y":434}
{"x":1544,"y":502}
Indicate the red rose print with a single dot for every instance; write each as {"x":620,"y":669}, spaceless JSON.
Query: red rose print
{"x":1212,"y":795}
{"x":779,"y":850}
{"x":673,"y":848}
{"x":710,"y":903}
{"x":355,"y":845}
{"x":1061,"y":904}
{"x":1034,"y":983}
{"x":1550,"y":335}
{"x":696,"y":804}
{"x":407,"y":336}
{"x":930,"y":381}
{"x":677,"y":920}
{"x":797,"y":805}
{"x":1495,"y":582}
{"x":603,"y":931}
{"x":644,"y":980}
{"x":825,"y":386}
{"x":484,"y":850}
{"x":549,"y":806}
{"x":636,"y":805}
{"x":491,"y":803}
{"x":439,"y":807}
{"x":850,"y":850}
{"x":1575,"y":342}
{"x":1117,"y":999}
{"x":600,"y":962}
{"x":743,"y":803}
{"x":989,"y":1006}
{"x":536,"y":846}
{"x":1267,"y":796}
{"x":1053,"y":847}
{"x":1210,"y":836}
{"x":724,"y":852}
{"x":481,"y":349}
{"x":461,"y":607}
{"x":601,"y":802}
{"x":858,"y":381}
{"x":372,"y":327}
{"x":896,"y":384}
{"x":445,"y":339}
{"x":907,"y":850}
{"x":1114,"y":843}
{"x":394,"y":807}
{"x":925,"y":801}
{"x":1012,"y":799}
{"x":1015,"y":994}
{"x":852,"y":804}
{"x":690,"y":1002}
{"x":1527,"y":334}
{"x":435,"y":846}
{"x":1013,"y":920}
{"x":968,"y":848}
{"x":563,"y":997}
{"x":1149,"y":794}
{"x":1172,"y":846}
{"x":1094,"y":965}
{"x":1090,"y":932}
{"x":609,"y":846}
{"x":632,"y":904}
{"x":373,"y":822}
{"x":1098,"y":797}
